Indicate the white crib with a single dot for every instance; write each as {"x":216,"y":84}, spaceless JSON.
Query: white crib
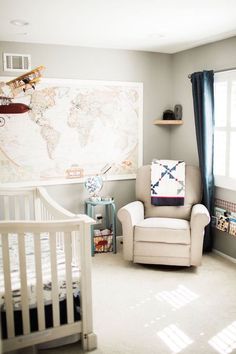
{"x":30,"y":218}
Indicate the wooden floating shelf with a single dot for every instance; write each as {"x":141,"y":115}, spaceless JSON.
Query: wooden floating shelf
{"x":167,"y":122}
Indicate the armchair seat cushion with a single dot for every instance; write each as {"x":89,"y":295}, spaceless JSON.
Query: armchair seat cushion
{"x":163,"y":230}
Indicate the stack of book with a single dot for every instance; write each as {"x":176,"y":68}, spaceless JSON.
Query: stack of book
{"x":224,"y":220}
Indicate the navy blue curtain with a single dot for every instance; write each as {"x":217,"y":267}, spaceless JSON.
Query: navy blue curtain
{"x":203,"y":102}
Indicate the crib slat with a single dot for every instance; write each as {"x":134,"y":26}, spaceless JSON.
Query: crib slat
{"x":6,"y":207}
{"x":55,"y":297}
{"x":73,"y":245}
{"x":69,"y":290}
{"x":59,"y":238}
{"x":17,"y":208}
{"x":43,"y":212}
{"x":48,"y":216}
{"x":23,"y":281}
{"x":27,"y":208}
{"x":39,"y":282}
{"x":7,"y":285}
{"x":75,"y":249}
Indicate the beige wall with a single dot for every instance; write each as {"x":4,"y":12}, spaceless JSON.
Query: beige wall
{"x":153,"y":69}
{"x":165,"y":82}
{"x":215,"y":56}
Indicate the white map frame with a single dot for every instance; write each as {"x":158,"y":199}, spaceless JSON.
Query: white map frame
{"x":74,"y":84}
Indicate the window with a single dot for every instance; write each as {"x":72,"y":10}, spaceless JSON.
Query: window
{"x":225,"y":130}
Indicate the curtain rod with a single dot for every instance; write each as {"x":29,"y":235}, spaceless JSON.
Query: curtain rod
{"x":218,"y":71}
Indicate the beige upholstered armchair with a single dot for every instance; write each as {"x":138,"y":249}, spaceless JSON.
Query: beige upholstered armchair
{"x":164,"y":234}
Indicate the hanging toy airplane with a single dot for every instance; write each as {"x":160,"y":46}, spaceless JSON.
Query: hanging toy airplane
{"x":23,"y":82}
{"x":26,"y":81}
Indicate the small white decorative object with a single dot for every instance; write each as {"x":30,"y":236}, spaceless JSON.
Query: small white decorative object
{"x":93,"y":185}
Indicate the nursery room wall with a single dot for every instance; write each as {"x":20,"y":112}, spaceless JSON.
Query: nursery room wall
{"x":165,"y":83}
{"x":215,"y":56}
{"x":152,"y":69}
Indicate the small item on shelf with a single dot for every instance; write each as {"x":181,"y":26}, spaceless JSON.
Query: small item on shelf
{"x":105,"y":169}
{"x":95,"y":199}
{"x":168,"y":115}
{"x":106,"y":232}
{"x":97,"y":232}
{"x":219,"y":212}
{"x":232,"y":226}
{"x":222,"y":223}
{"x":74,"y":172}
{"x":222,"y":219}
{"x":107,"y":199}
{"x":178,"y":110}
{"x":225,"y":216}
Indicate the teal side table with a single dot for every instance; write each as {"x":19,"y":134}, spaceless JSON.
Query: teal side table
{"x":110,"y":218}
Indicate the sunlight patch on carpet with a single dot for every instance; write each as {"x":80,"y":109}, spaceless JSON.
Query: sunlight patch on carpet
{"x":178,"y":297}
{"x":174,"y":338}
{"x":225,"y":341}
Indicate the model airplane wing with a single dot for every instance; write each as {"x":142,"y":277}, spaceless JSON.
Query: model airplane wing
{"x":26,"y":81}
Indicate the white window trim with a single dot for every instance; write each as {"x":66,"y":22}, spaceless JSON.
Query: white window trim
{"x":227,"y":182}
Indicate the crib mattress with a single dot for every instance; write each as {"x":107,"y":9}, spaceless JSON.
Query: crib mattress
{"x":30,"y":262}
{"x":33,"y":317}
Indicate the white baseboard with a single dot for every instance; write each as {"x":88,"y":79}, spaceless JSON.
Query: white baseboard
{"x":224,"y":255}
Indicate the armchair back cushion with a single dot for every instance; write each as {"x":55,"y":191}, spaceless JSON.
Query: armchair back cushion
{"x":193,"y":194}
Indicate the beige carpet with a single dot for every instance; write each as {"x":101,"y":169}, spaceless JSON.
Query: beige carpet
{"x":141,"y":309}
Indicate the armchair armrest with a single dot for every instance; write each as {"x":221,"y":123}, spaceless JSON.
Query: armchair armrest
{"x":200,"y":215}
{"x":199,"y":219}
{"x":130,"y":215}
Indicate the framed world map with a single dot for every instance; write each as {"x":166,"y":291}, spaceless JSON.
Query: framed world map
{"x":74,"y":129}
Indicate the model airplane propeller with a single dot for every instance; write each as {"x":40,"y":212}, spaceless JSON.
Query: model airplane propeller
{"x":23,"y":82}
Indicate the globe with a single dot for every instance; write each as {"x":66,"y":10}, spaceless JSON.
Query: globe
{"x":94,"y":184}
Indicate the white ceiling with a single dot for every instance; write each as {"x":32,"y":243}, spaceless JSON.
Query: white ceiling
{"x":166,"y":26}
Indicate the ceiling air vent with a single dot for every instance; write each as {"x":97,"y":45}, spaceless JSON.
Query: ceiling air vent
{"x":16,"y":62}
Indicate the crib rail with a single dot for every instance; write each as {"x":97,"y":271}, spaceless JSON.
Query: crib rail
{"x":30,"y":204}
{"x":36,"y":204}
{"x":17,"y":204}
{"x":32,"y":210}
{"x":66,"y":228}
{"x":47,"y":209}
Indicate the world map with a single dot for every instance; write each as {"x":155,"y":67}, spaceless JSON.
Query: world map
{"x":73,"y":129}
